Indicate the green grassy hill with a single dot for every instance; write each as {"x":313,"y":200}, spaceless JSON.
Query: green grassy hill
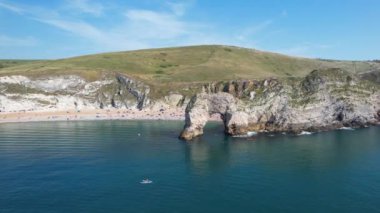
{"x":4,"y":63}
{"x":184,"y":65}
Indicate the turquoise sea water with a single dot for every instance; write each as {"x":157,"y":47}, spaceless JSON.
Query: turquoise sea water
{"x":98,"y":166}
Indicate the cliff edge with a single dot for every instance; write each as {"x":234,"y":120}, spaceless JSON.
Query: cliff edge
{"x":323,"y":100}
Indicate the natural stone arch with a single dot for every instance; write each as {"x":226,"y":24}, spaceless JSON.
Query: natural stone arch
{"x":202,"y":106}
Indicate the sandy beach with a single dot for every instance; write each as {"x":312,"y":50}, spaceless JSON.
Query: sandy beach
{"x":94,"y":114}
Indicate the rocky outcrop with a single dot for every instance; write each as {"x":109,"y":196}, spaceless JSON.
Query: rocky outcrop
{"x":71,"y":92}
{"x":201,"y":107}
{"x":322,"y":100}
{"x":373,"y":76}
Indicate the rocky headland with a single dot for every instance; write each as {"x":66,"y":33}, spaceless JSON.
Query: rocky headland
{"x":249,"y":90}
{"x":323,"y":100}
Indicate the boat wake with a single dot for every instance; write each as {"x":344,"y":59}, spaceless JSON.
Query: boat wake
{"x":146,"y":181}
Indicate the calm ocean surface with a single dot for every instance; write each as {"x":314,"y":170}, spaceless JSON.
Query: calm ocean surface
{"x":98,"y":166}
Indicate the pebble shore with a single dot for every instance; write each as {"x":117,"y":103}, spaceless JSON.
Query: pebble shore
{"x":94,"y":114}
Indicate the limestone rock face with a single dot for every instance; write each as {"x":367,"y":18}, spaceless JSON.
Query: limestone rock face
{"x":174,"y":100}
{"x":236,"y":123}
{"x":323,"y":100}
{"x":201,"y":107}
{"x":71,"y":92}
{"x":171,"y":101}
{"x":373,"y":75}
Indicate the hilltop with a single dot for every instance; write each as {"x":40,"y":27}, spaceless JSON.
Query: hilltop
{"x":4,"y":63}
{"x":184,"y":65}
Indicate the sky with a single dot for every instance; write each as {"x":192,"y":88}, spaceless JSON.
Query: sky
{"x":330,"y":29}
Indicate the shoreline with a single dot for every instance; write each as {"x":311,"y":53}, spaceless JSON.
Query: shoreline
{"x":169,"y":114}
{"x":176,"y":114}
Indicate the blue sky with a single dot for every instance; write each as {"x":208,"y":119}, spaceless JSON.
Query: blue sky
{"x":336,"y":29}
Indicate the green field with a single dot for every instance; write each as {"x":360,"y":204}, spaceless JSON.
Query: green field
{"x":183,"y":65}
{"x":4,"y":63}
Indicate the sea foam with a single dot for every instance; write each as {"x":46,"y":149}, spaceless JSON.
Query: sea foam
{"x":305,"y":133}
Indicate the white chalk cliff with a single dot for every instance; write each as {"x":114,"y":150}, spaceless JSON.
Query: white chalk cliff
{"x":324,"y":99}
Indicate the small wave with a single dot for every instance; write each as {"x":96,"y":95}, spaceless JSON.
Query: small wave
{"x":305,"y":133}
{"x":346,"y":128}
{"x":249,"y":134}
{"x":240,"y":136}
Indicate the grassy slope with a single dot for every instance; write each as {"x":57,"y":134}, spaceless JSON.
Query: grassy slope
{"x":4,"y":63}
{"x":171,"y":68}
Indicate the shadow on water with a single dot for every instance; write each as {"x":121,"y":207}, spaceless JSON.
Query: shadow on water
{"x":210,"y":152}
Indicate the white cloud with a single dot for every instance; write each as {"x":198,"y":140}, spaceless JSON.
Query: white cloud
{"x":249,"y":32}
{"x":113,"y":39}
{"x":11,"y":41}
{"x":11,"y":7}
{"x":141,"y":28}
{"x":155,"y":25}
{"x":29,"y":10}
{"x":79,"y":28}
{"x":86,"y":6}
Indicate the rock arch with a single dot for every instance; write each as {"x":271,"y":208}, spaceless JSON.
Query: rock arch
{"x":203,"y":105}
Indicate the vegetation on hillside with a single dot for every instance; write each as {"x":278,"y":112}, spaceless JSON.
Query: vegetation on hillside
{"x":10,"y":63}
{"x":172,"y":68}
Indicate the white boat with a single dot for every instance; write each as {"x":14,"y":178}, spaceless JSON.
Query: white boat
{"x":146,"y":181}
